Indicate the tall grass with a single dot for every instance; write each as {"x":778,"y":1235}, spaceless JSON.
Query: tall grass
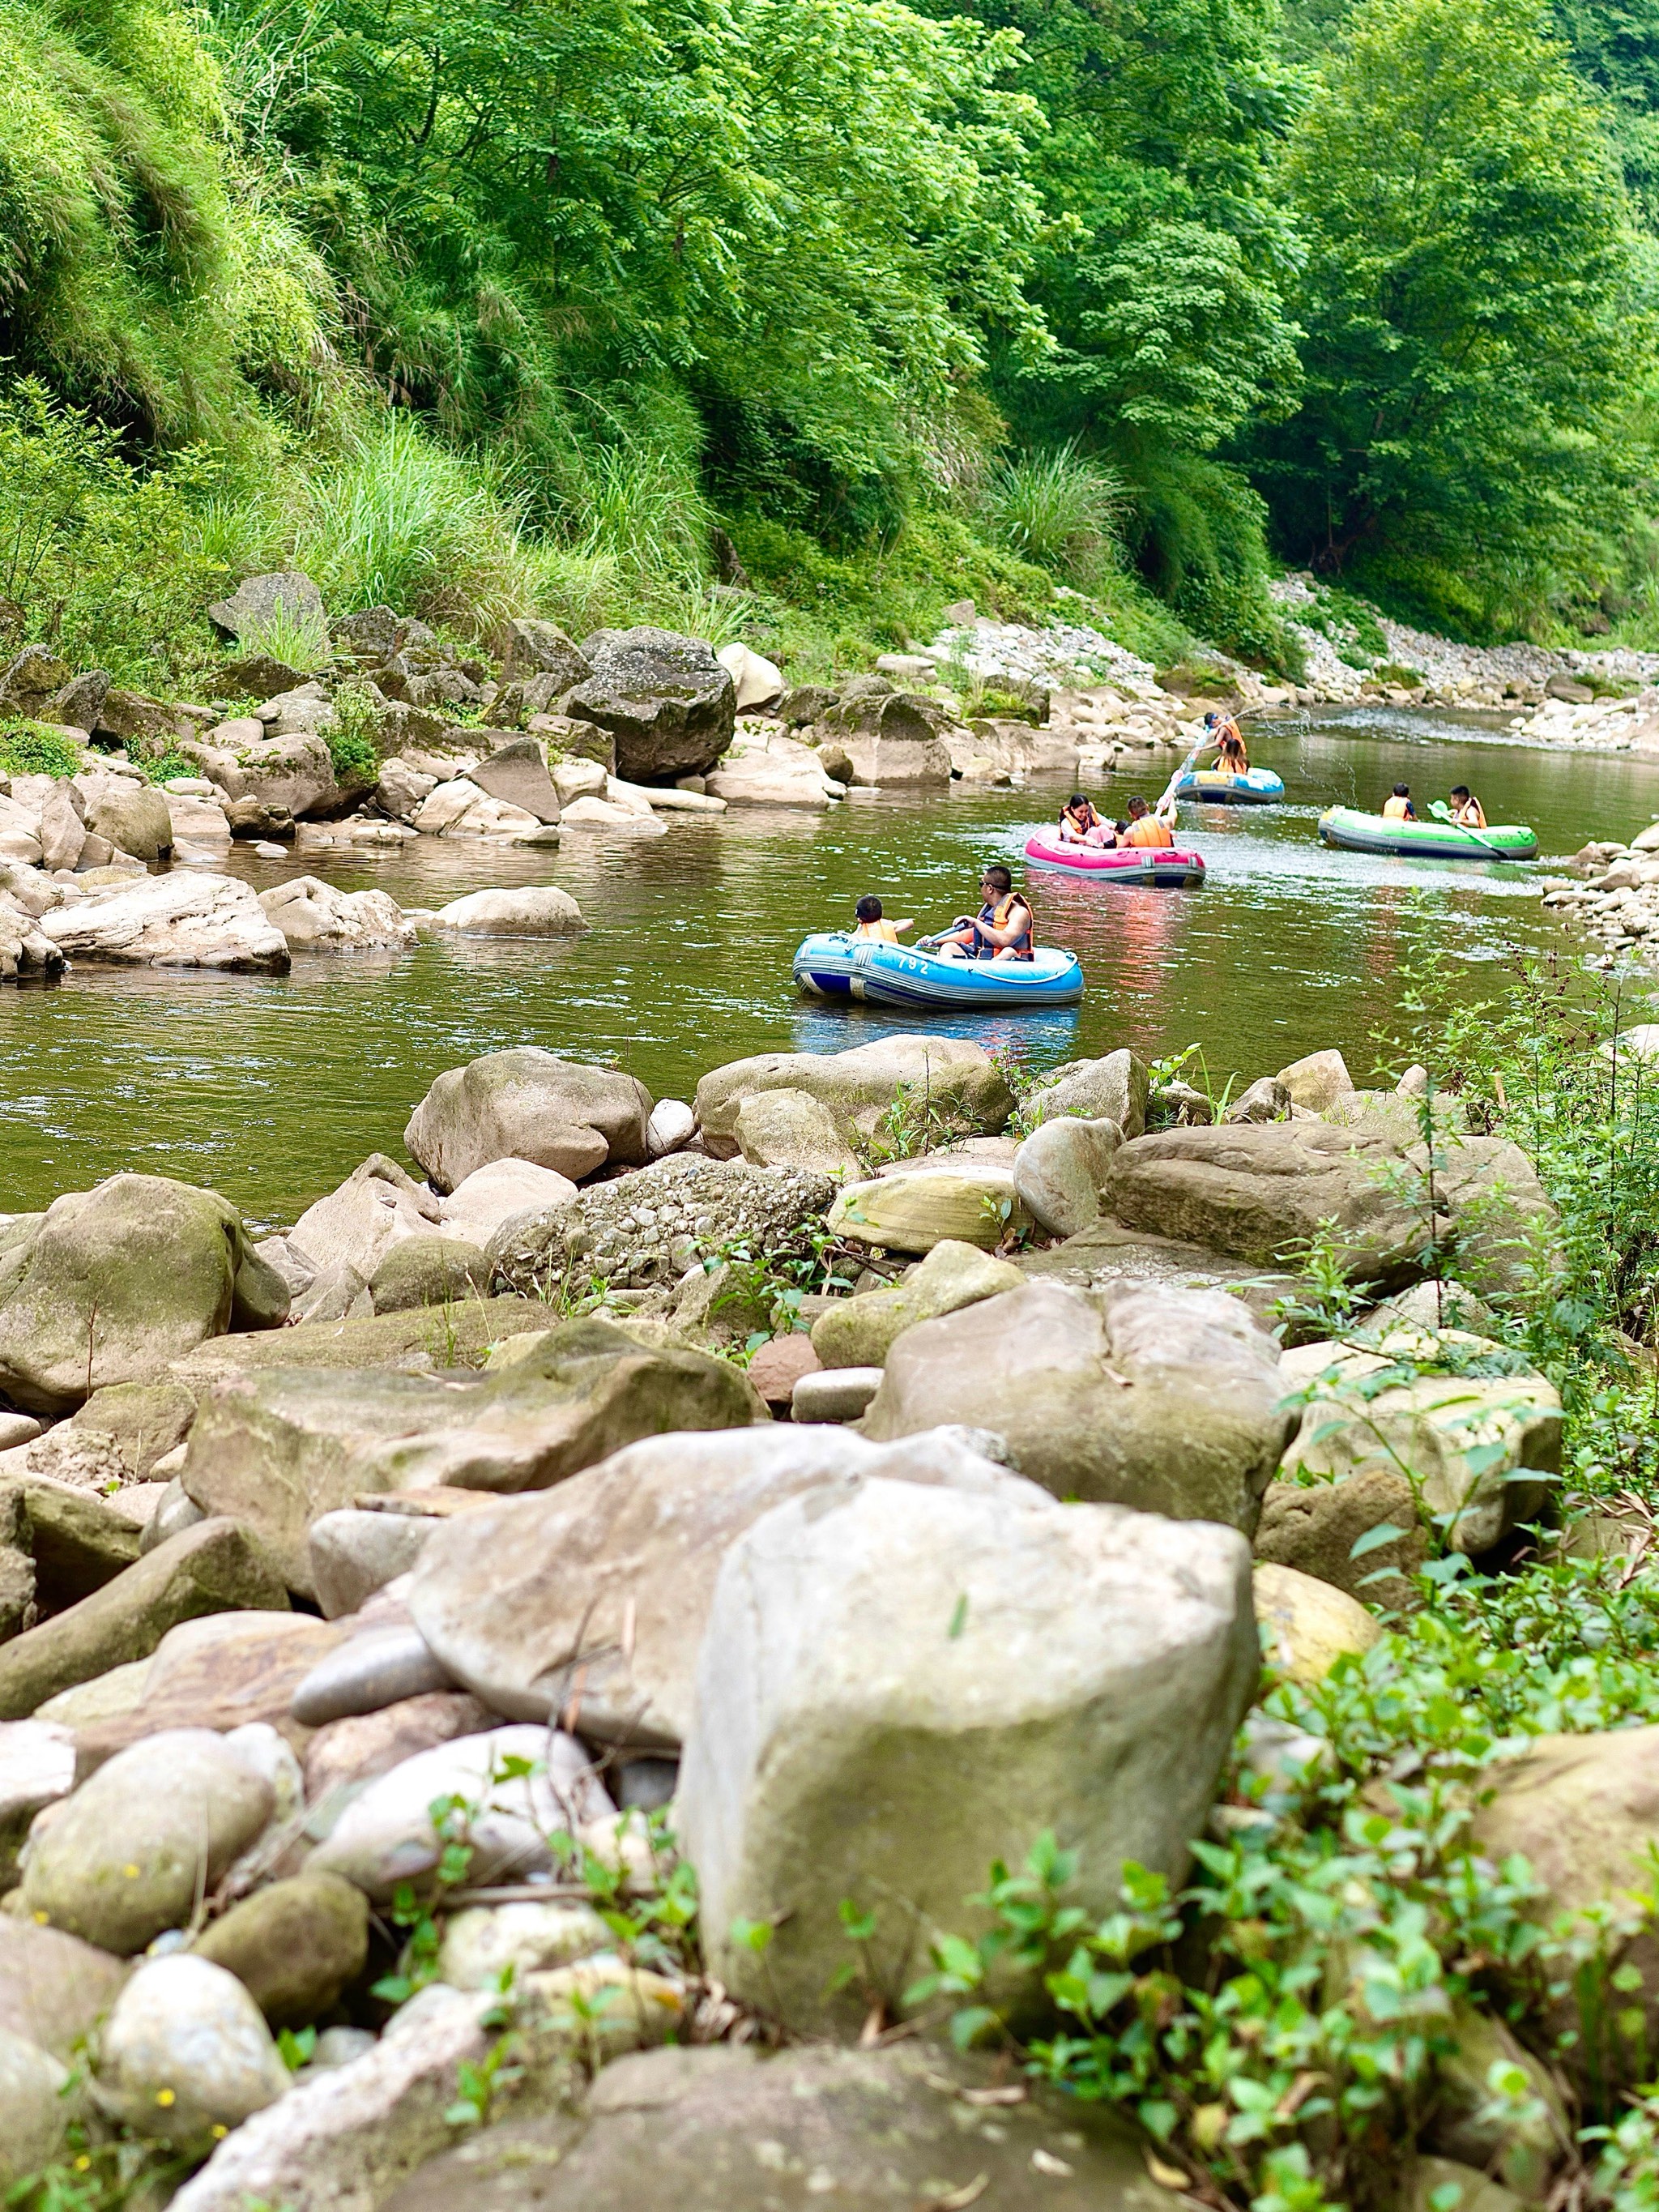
{"x":1057,"y":509}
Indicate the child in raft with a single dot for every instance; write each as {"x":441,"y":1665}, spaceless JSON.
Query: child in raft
{"x":1398,"y":806}
{"x":1080,"y":825}
{"x":1467,"y":811}
{"x":873,"y":924}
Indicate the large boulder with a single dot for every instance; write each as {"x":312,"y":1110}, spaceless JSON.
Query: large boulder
{"x":516,"y":774}
{"x":650,"y":1228}
{"x":386,"y":1341}
{"x":604,"y":1584}
{"x":1583,"y":1811}
{"x":667,"y":701}
{"x":937,"y":1082}
{"x":529,"y":1104}
{"x":34,"y":2110}
{"x":1315,"y":1526}
{"x":289,"y":774}
{"x":882,"y":1710}
{"x":281,"y":1449}
{"x":859,"y":1332}
{"x":1169,"y":1400}
{"x":222,"y":1671}
{"x":134,"y":817}
{"x":281,"y":595}
{"x":190,"y":919}
{"x":314,"y":917}
{"x":209,"y":1568}
{"x":110,"y":1284}
{"x":157,"y":1826}
{"x":527,"y":648}
{"x":528,"y":911}
{"x":1483,"y":1450}
{"x":493,"y":1194}
{"x":1113,"y":1088}
{"x":725,"y":2130}
{"x":792,"y":1129}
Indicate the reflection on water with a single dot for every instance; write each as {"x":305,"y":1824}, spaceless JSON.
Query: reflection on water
{"x":273,"y":1088}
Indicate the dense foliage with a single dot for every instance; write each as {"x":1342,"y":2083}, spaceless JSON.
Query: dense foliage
{"x":503,"y":303}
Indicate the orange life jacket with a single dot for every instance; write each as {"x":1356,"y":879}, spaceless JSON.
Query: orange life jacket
{"x":999,"y":918}
{"x":1397,"y":809}
{"x":1149,"y":831}
{"x":883,"y":931}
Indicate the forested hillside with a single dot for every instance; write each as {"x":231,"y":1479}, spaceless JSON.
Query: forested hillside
{"x":800,"y":318}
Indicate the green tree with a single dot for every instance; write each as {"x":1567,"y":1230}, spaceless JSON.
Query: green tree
{"x":1473,"y":333}
{"x":560,"y":219}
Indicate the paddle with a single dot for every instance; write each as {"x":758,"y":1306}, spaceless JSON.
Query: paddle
{"x":1442,"y":812}
{"x":1203,"y":745}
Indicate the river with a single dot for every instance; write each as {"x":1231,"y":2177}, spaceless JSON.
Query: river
{"x":273,"y":1090}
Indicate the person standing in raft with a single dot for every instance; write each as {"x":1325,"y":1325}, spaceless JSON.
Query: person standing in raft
{"x":1005,"y":928}
{"x":1080,"y":825}
{"x":1225,"y":734}
{"x":872,"y":923}
{"x":1144,"y":827}
{"x":1398,"y":807}
{"x":1467,"y":811}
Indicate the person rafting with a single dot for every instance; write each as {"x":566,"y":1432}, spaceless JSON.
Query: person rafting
{"x":1467,"y":811}
{"x":1228,"y":739}
{"x":1079,"y":824}
{"x":1144,"y":827}
{"x":1398,"y":806}
{"x":1004,"y":927}
{"x":872,"y":923}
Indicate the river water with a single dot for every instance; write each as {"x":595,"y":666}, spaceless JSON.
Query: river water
{"x":273,"y":1090}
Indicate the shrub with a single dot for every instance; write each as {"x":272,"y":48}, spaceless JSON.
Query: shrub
{"x":1058,"y":509}
{"x":34,"y":748}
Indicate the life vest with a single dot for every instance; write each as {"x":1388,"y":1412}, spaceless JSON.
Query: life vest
{"x":1397,"y":809}
{"x":883,"y":931}
{"x":1149,"y":831}
{"x":999,"y":915}
{"x":1070,"y":816}
{"x":1471,"y":814}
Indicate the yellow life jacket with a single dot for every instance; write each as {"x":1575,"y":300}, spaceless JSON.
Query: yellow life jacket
{"x":1149,"y":831}
{"x":883,"y":931}
{"x":1397,"y":809}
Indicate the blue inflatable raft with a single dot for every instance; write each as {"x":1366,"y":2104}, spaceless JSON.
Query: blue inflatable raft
{"x":835,"y":964}
{"x":1211,"y":787}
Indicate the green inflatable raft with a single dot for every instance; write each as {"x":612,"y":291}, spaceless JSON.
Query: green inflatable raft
{"x":1430,"y":840}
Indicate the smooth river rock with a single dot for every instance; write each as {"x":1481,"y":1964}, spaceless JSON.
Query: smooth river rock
{"x":1113,"y":1089}
{"x":126,"y":1855}
{"x":531,"y":910}
{"x":1061,"y":1169}
{"x":1165,"y":1400}
{"x":314,"y":917}
{"x":493,"y":1193}
{"x":376,"y":1669}
{"x":294,"y":1946}
{"x":883,"y":1709}
{"x":34,"y":2115}
{"x":914,"y":1208}
{"x":859,"y":1332}
{"x":602,"y":1585}
{"x":528,"y":1104}
{"x":185,"y":2053}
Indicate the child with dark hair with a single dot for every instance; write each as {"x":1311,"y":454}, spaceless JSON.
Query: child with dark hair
{"x":872,"y":923}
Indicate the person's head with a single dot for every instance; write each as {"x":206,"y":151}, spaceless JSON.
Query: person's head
{"x":868,"y":908}
{"x":1404,"y":791}
{"x":1076,"y":802}
{"x":996,"y":881}
{"x":1138,"y":806}
{"x":1211,"y":719}
{"x":1460,"y":790}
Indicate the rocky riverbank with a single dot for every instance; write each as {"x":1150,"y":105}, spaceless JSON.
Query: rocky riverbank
{"x":368,"y":1590}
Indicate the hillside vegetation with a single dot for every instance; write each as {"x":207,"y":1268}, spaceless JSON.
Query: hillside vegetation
{"x":800,"y":318}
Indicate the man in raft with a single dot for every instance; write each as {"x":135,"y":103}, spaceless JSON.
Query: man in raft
{"x":1005,"y":928}
{"x":1145,"y":828}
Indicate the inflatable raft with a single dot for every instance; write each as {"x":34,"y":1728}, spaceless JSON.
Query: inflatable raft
{"x":835,"y":964}
{"x":1170,"y":866}
{"x":1430,"y":840}
{"x":1211,"y":787}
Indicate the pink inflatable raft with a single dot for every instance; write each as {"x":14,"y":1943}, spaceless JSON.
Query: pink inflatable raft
{"x":1137,"y":864}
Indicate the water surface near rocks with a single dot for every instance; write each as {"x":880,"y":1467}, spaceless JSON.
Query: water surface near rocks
{"x":273,"y":1090}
